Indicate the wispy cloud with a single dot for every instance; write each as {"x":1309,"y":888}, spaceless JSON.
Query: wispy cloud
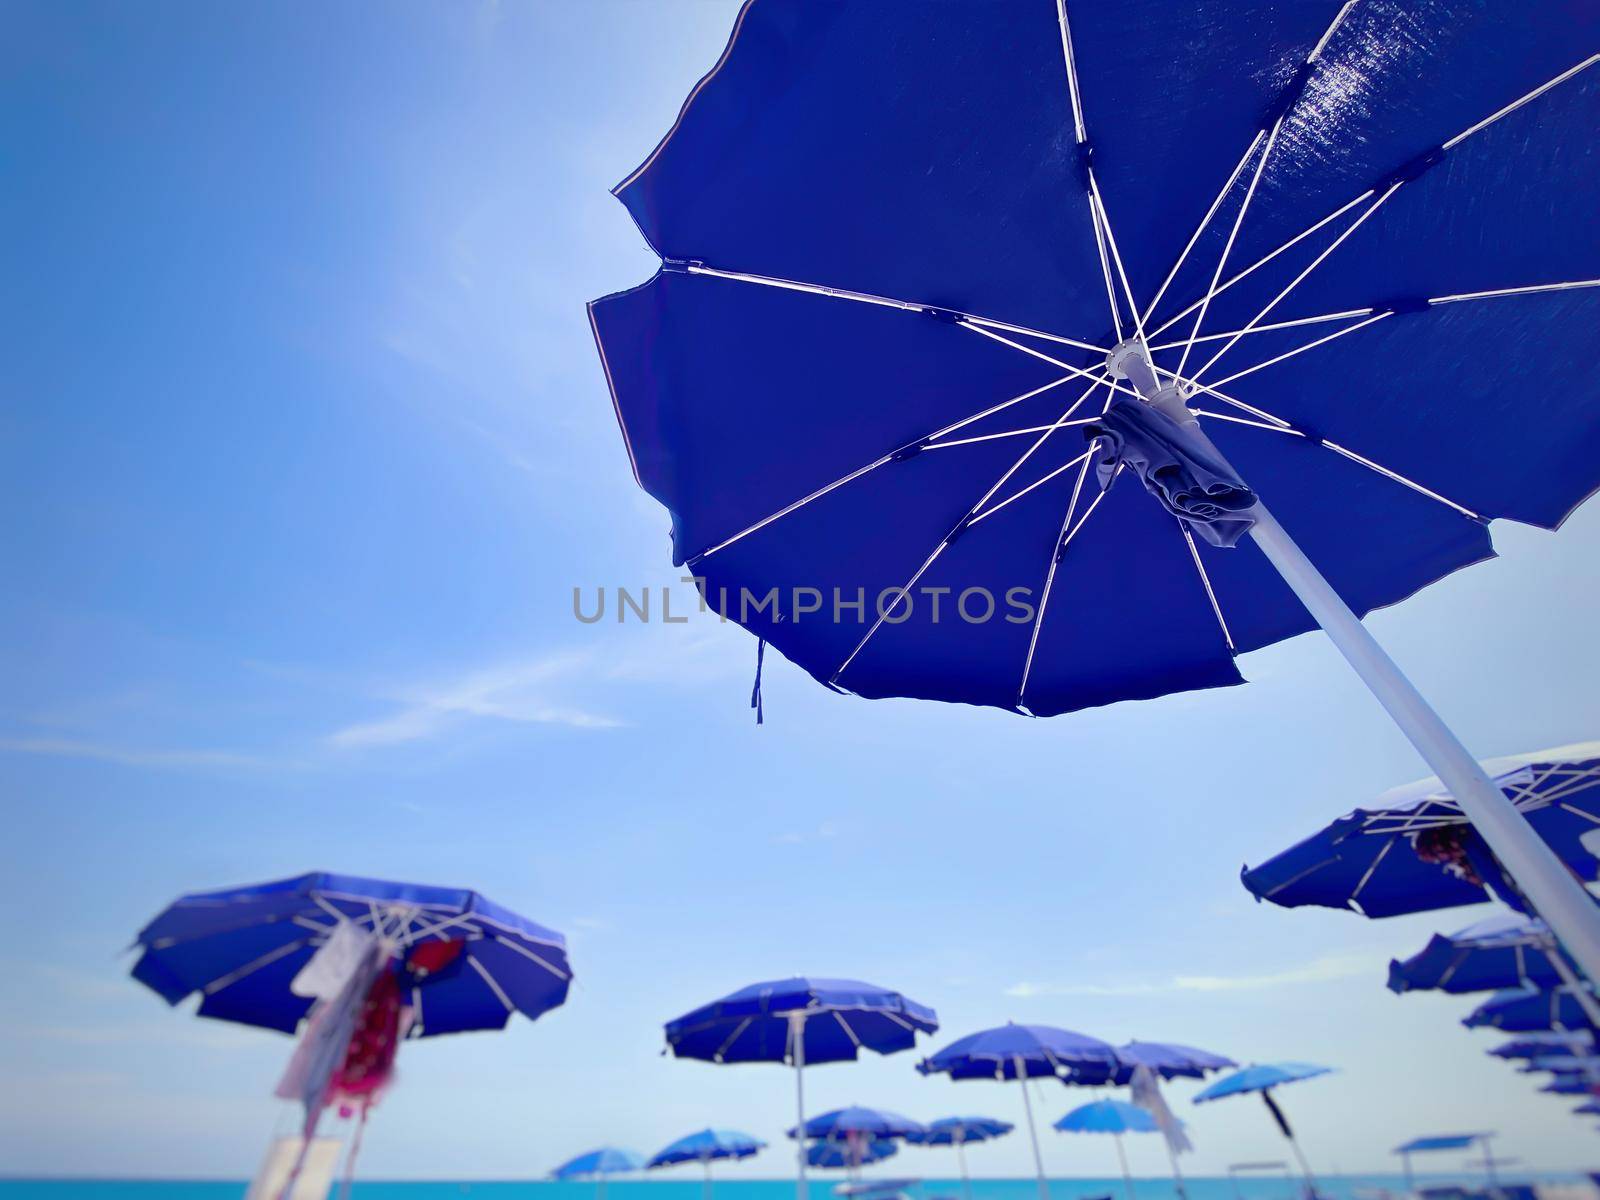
{"x":132,"y":756}
{"x":827,"y":831}
{"x":1320,"y":970}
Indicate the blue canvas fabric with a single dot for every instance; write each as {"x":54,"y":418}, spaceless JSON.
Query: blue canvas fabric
{"x":752,"y":1024}
{"x":1108,"y":1116}
{"x":1499,"y":952}
{"x":1368,"y":860}
{"x":1547,"y":1044}
{"x":240,"y":948}
{"x":949,"y":1131}
{"x":1170,"y":1060}
{"x":1443,"y":1141}
{"x":829,"y":1154}
{"x":931,"y":158}
{"x":1026,"y":1051}
{"x":855,"y":1121}
{"x":708,"y":1145}
{"x":1259,"y":1078}
{"x":1522,"y":1010}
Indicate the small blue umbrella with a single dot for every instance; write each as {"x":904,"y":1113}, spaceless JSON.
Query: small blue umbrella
{"x":1433,"y":1143}
{"x":1504,"y":951}
{"x":1563,"y":1064}
{"x":833,"y":1154}
{"x":1414,"y":850}
{"x":705,"y":1147}
{"x":1569,"y":1085}
{"x":912,"y":214}
{"x":1114,"y":1117}
{"x":1024,"y":1052}
{"x":1262,"y":1078}
{"x":597,"y":1165}
{"x":800,"y":1021}
{"x":1170,"y":1060}
{"x":1523,"y":1010}
{"x":856,"y":1121}
{"x":1588,"y":1107}
{"x":958,"y":1132}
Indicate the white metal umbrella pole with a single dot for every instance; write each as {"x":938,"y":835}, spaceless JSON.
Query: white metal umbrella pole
{"x":961,"y":1157}
{"x":705,"y":1188}
{"x":797,"y":1053}
{"x":1585,"y":998}
{"x":1033,"y":1132}
{"x":1177,"y":1171}
{"x":1566,"y":907}
{"x":1122,"y":1157}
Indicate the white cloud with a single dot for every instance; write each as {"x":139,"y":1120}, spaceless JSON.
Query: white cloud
{"x":1320,"y":970}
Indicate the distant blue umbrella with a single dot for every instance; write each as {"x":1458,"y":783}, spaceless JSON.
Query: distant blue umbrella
{"x":1433,"y":1143}
{"x":958,"y":1132}
{"x":1170,"y":1060}
{"x":1262,"y":1078}
{"x":1569,"y":1085}
{"x":773,"y":1022}
{"x":1588,"y":1107}
{"x":1563,"y":1064}
{"x":705,"y":1147}
{"x":1024,"y":1052}
{"x":856,"y":1121}
{"x":1415,"y":851}
{"x":1115,"y":1117}
{"x":597,"y":1164}
{"x":1545,"y":1043}
{"x":1520,"y":1010}
{"x":843,"y":1154}
{"x":1504,"y":951}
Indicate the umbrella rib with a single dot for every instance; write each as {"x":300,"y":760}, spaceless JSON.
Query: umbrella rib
{"x":959,"y":527}
{"x":1066,"y":466}
{"x":1049,"y":582}
{"x":1194,"y":552}
{"x":1097,"y":205}
{"x":871,"y":466}
{"x":1373,"y":866}
{"x":848,"y":1032}
{"x":532,"y":957}
{"x":1569,"y":73}
{"x":1269,"y":327}
{"x":1072,"y":72}
{"x":818,"y":289}
{"x":731,"y":1039}
{"x":251,"y":967}
{"x":989,"y":437}
{"x":1338,"y":333}
{"x":1298,"y":279}
{"x":494,"y":986}
{"x":1077,"y":372}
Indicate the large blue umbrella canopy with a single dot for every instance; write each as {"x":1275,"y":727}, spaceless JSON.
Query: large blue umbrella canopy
{"x":708,"y":1145}
{"x":241,"y":947}
{"x":844,"y":1154}
{"x":1108,"y":1116}
{"x":607,"y":1160}
{"x":1372,"y":860}
{"x":1547,"y":1043}
{"x":1026,"y":1051}
{"x":1499,"y":952}
{"x":951,"y":1131}
{"x":1170,"y":1060}
{"x":856,"y":1121}
{"x":753,"y":1023}
{"x":1520,"y":1010}
{"x":856,"y":205}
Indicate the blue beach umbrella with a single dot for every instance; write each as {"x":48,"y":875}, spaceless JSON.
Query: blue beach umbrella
{"x":1524,"y":1010}
{"x":800,"y":1021}
{"x":856,"y":1121}
{"x":1170,"y":1060}
{"x":1563,"y":1064}
{"x":706,"y":1147}
{"x":1500,"y":952}
{"x":1024,"y":341}
{"x":597,"y":1165}
{"x":1115,"y":1117}
{"x":1414,"y":850}
{"x":1588,"y":1107}
{"x":831,"y":1154}
{"x":1433,"y":1143}
{"x":1024,"y":1052}
{"x":1261,"y":1079}
{"x":1547,"y":1043}
{"x":1569,"y":1085}
{"x":958,"y":1132}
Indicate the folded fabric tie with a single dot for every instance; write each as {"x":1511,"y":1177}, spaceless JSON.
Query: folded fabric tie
{"x":1177,"y":467}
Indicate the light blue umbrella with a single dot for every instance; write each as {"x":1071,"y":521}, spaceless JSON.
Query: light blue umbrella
{"x":597,"y":1164}
{"x":706,"y":1147}
{"x":957,"y":1132}
{"x":1115,"y":1117}
{"x":1262,"y":1078}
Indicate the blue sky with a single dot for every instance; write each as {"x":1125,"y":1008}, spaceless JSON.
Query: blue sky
{"x":305,"y":447}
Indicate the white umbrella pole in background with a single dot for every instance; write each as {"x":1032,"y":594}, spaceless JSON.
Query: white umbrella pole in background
{"x":1033,"y":1132}
{"x":797,"y":1052}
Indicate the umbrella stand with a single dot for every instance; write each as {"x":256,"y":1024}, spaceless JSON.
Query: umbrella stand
{"x":797,"y":1052}
{"x":1122,"y":1157}
{"x":961,"y":1157}
{"x":1283,"y":1124}
{"x":1033,"y":1132}
{"x":1558,"y":896}
{"x":705,"y":1189}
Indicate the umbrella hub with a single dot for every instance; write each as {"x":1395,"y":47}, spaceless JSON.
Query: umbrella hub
{"x":1130,"y":360}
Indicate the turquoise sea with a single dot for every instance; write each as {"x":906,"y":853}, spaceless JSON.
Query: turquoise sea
{"x":1344,"y":1187}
